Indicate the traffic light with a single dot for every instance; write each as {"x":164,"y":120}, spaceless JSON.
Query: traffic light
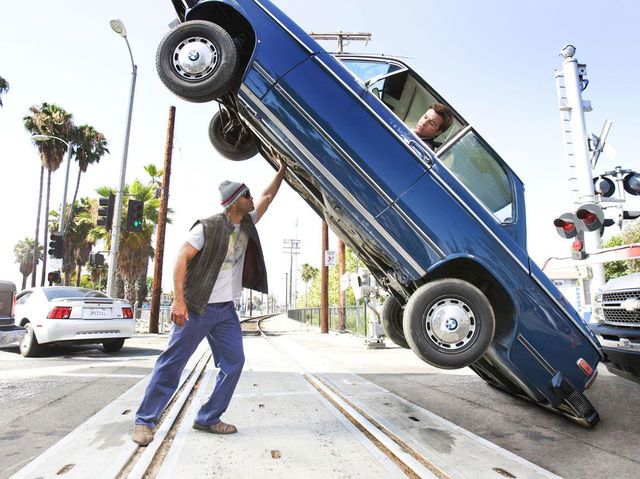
{"x":53,"y":277}
{"x":591,"y":216}
{"x":96,"y":259}
{"x":135,"y":210}
{"x":105,"y":212}
{"x":632,"y":183}
{"x":56,"y":245}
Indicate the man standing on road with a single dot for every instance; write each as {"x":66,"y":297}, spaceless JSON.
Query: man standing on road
{"x":222,"y":254}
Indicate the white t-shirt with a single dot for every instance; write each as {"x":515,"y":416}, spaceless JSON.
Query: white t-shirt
{"x":228,"y":284}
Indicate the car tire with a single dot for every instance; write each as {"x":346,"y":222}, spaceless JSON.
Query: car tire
{"x":449,"y":323}
{"x":113,"y":346}
{"x":234,"y":142}
{"x":205,"y":71}
{"x":29,"y":346}
{"x":391,"y":316}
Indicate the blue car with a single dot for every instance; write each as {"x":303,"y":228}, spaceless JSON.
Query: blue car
{"x":441,"y":224}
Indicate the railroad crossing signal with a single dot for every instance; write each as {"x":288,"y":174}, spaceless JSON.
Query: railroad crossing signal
{"x":56,"y":245}
{"x":135,"y":215}
{"x":105,"y":212}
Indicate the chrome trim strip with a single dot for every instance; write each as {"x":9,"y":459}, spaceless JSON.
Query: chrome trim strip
{"x":283,"y":26}
{"x":534,"y":352}
{"x":346,"y":194}
{"x":260,"y":69}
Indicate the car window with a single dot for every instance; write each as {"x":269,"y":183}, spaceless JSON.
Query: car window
{"x":57,"y":293}
{"x":403,"y":92}
{"x":23,"y":298}
{"x":481,"y":171}
{"x":366,"y":70}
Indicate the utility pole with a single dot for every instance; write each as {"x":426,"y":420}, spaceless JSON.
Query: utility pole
{"x":324,"y":282}
{"x":286,"y":293}
{"x":156,"y":290}
{"x":292,"y":247}
{"x":341,"y":37}
{"x":341,"y":293}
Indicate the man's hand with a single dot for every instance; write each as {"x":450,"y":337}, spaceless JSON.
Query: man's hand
{"x":179,"y":312}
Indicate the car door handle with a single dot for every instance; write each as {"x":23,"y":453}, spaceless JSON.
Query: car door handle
{"x":424,"y":156}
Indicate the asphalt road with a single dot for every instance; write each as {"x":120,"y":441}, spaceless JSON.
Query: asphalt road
{"x":43,"y":399}
{"x":536,"y":434}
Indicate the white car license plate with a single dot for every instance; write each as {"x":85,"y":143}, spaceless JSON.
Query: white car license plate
{"x":96,"y":313}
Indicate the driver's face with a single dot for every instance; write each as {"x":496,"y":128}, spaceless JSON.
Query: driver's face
{"x":429,"y":125}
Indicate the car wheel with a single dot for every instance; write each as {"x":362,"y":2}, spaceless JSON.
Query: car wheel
{"x":392,"y":321}
{"x":113,"y":346}
{"x":197,"y":61}
{"x":231,"y":138}
{"x":449,"y":323}
{"x":29,"y":346}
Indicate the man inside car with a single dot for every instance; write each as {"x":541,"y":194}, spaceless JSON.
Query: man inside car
{"x":436,"y":120}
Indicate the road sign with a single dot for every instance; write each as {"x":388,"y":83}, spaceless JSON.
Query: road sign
{"x":330,"y":258}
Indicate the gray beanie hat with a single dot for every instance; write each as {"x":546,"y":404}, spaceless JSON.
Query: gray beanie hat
{"x":230,"y":192}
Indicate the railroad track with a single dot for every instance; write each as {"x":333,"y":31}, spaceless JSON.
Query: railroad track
{"x":146,"y":462}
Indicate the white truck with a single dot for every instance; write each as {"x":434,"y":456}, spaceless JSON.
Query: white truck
{"x":616,"y":322}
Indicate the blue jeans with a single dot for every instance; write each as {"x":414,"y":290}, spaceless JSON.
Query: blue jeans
{"x":220,"y":325}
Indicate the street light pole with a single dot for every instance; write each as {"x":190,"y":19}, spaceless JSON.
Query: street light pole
{"x":118,"y":27}
{"x":66,"y":178}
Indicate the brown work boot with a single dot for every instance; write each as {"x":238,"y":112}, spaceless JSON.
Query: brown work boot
{"x":218,"y":428}
{"x":142,"y":434}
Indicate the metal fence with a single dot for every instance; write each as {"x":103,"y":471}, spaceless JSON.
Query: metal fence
{"x":355,"y":318}
{"x":142,"y":319}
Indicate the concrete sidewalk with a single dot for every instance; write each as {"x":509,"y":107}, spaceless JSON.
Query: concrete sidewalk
{"x":286,"y":428}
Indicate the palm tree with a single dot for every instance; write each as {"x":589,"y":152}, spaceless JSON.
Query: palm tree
{"x":308,"y":273}
{"x":77,"y":245}
{"x":4,"y":88}
{"x":89,"y":147}
{"x":52,"y":120}
{"x":24,"y":257}
{"x":155,"y":173}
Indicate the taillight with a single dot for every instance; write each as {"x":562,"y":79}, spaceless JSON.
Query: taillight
{"x":60,"y":312}
{"x":585,"y":367}
{"x":127,"y":313}
{"x":13,"y":306}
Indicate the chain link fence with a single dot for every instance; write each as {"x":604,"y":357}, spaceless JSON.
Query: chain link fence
{"x":356,"y":319}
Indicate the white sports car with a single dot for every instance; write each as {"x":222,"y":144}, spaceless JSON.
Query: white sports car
{"x":71,"y":315}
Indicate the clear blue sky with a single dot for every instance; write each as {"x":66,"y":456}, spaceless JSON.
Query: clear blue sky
{"x":493,"y":60}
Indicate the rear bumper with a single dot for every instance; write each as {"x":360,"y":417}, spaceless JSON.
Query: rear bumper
{"x":11,"y":334}
{"x":84,"y":330}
